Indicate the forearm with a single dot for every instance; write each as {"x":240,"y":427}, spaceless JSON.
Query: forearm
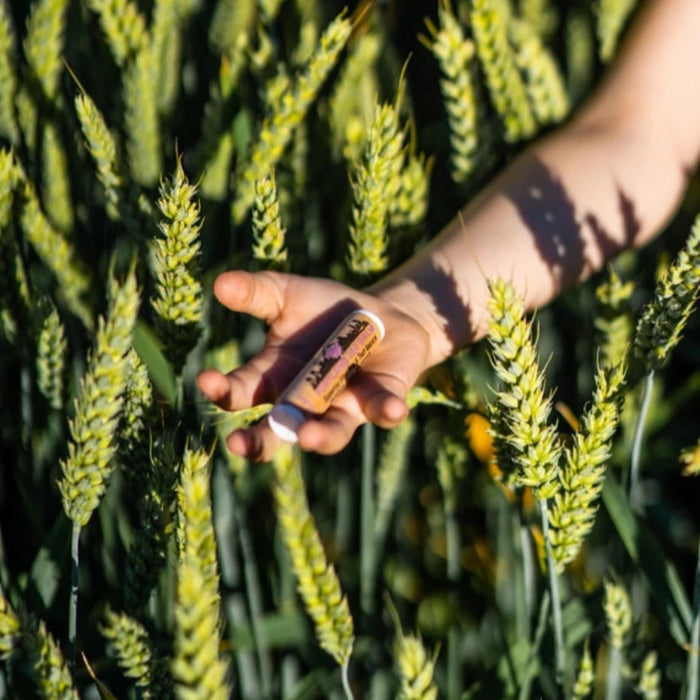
{"x":606,"y":181}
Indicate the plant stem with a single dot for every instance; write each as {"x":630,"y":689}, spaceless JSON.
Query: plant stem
{"x":559,"y":650}
{"x":535,"y":647}
{"x":73,"y":603}
{"x":613,"y":690}
{"x":367,"y":553}
{"x":452,"y":537}
{"x":346,"y":681}
{"x":634,"y":495}
{"x":693,"y":667}
{"x":528,"y":574}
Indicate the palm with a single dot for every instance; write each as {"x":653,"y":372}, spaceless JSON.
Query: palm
{"x":300,"y":313}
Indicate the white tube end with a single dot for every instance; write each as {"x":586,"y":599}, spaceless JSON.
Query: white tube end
{"x":285,"y":420}
{"x":377,"y":321}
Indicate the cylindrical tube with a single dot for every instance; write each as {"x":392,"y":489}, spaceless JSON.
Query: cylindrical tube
{"x":326,"y":373}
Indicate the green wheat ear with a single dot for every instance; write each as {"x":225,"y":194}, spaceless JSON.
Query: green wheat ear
{"x":649,"y":682}
{"x":99,"y":404}
{"x":43,"y":44}
{"x":10,"y":629}
{"x":613,"y":319}
{"x":268,"y":234}
{"x":317,"y":581}
{"x":456,"y":56}
{"x":123,"y":25}
{"x":585,"y":678}
{"x":611,"y":16}
{"x":103,"y":149}
{"x":527,"y":445}
{"x":51,"y":358}
{"x":197,"y":669}
{"x":575,"y":506}
{"x":541,"y":15}
{"x":279,"y":125}
{"x":56,"y":253}
{"x":55,"y":182}
{"x":618,"y":614}
{"x":664,"y":318}
{"x":129,"y":642}
{"x":376,"y":181}
{"x":503,"y":79}
{"x":8,"y":78}
{"x":141,"y":119}
{"x":544,"y":82}
{"x":48,"y":665}
{"x":177,"y":299}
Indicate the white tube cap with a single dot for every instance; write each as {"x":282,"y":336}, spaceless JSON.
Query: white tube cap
{"x":285,"y":420}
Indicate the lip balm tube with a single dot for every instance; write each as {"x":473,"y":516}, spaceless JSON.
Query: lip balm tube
{"x":326,"y":373}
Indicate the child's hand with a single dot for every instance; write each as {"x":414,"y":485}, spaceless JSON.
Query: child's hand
{"x":301,"y":312}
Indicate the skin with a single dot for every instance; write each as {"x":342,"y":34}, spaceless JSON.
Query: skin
{"x":607,"y":180}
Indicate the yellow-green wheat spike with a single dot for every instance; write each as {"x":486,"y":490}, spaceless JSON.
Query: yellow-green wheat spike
{"x":416,"y":668}
{"x":141,"y":119}
{"x":664,"y":318}
{"x":544,"y":82}
{"x":197,"y":669}
{"x":166,"y":30}
{"x":574,"y":508}
{"x":10,"y":629}
{"x":51,"y":358}
{"x":55,"y":181}
{"x":99,"y":404}
{"x":410,"y":205}
{"x":27,"y":117}
{"x":268,"y":234}
{"x":129,"y":641}
{"x":269,"y":9}
{"x":455,"y":54}
{"x":450,"y":466}
{"x":541,"y":15}
{"x":618,"y":614}
{"x":585,"y":678}
{"x":138,"y":402}
{"x":612,"y":16}
{"x":317,"y":581}
{"x":503,"y":79}
{"x":375,"y":182}
{"x":178,"y":294}
{"x":649,"y":682}
{"x":48,"y":665}
{"x":277,"y":128}
{"x":232,"y":22}
{"x":613,"y":319}
{"x":352,"y":100}
{"x":521,"y":408}
{"x":123,"y":25}
{"x":56,"y":253}
{"x":103,"y":149}
{"x":43,"y":44}
{"x":8,"y":77}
